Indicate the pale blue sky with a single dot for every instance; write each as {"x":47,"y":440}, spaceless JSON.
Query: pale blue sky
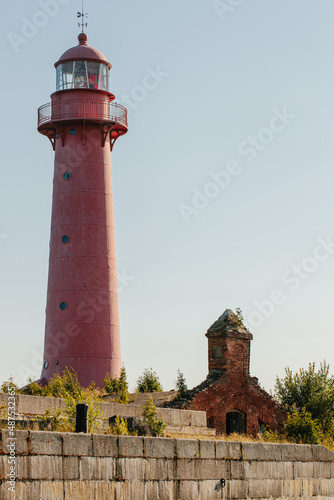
{"x":223,"y":81}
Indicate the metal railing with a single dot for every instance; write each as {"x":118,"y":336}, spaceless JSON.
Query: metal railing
{"x":83,"y":110}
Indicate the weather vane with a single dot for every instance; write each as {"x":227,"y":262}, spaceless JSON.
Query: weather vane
{"x":83,"y":16}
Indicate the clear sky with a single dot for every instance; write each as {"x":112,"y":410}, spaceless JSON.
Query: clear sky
{"x":223,"y":187}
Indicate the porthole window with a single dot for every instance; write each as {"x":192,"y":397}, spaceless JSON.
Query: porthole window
{"x":73,"y":131}
{"x":65,"y":239}
{"x":67,"y":176}
{"x":46,"y":365}
{"x":57,"y":362}
{"x":63,"y":306}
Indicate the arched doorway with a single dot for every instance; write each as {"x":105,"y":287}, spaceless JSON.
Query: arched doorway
{"x":235,"y":422}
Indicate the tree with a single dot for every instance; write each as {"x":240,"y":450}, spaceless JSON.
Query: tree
{"x":310,"y":390}
{"x":149,"y":382}
{"x":180,"y":384}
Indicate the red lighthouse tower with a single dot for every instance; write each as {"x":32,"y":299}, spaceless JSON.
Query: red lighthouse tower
{"x":82,"y":122}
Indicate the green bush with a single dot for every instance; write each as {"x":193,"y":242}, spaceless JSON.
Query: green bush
{"x":9,"y":385}
{"x":64,"y":385}
{"x":118,"y":385}
{"x":33,"y":389}
{"x":150,"y":417}
{"x":120,"y":427}
{"x":302,"y":429}
{"x":148,"y":382}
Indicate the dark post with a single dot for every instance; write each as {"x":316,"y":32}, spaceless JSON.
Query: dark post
{"x":81,"y":424}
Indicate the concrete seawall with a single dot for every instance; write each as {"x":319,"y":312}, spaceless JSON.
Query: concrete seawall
{"x":54,"y":466}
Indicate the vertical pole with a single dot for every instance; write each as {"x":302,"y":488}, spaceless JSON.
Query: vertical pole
{"x":81,"y":424}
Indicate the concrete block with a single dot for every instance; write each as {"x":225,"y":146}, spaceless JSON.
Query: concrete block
{"x":228,"y":450}
{"x":45,"y":443}
{"x":304,"y":453}
{"x":129,"y":469}
{"x":207,"y":449}
{"x":3,"y":466}
{"x":77,"y":444}
{"x":288,"y":452}
{"x":105,"y":446}
{"x":130,"y":446}
{"x":188,"y":490}
{"x":240,"y":469}
{"x":198,"y":419}
{"x":93,"y":468}
{"x":212,"y":489}
{"x":293,"y":488}
{"x":284,"y":470}
{"x":39,"y":468}
{"x":159,"y":447}
{"x":70,"y":468}
{"x":129,"y":490}
{"x":326,"y":488}
{"x":52,"y":490}
{"x":20,"y":439}
{"x":104,"y":490}
{"x":260,"y":488}
{"x":186,"y":417}
{"x":303,"y":470}
{"x":212,"y":469}
{"x":261,"y":451}
{"x":186,"y":469}
{"x":235,"y":489}
{"x":128,"y":410}
{"x":323,"y":470}
{"x":187,"y":448}
{"x":156,"y":469}
{"x":25,"y":491}
{"x":107,"y":410}
{"x":165,"y":414}
{"x":35,"y":405}
{"x":79,"y":490}
{"x":159,"y":490}
{"x":277,"y":488}
{"x":322,"y":454}
{"x":175,"y":418}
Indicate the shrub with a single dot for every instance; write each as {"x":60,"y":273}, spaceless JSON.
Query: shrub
{"x":302,"y":429}
{"x":33,"y":389}
{"x":148,"y":382}
{"x":64,"y":385}
{"x":9,"y":385}
{"x":150,"y":417}
{"x":118,"y":385}
{"x":120,"y":427}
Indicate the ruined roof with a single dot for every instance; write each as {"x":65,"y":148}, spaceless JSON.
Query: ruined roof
{"x":228,"y":322}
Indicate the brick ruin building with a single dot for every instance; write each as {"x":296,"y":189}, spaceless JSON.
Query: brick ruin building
{"x":232,"y":399}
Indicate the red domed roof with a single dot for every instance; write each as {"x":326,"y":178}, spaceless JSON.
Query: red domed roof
{"x":83,"y":52}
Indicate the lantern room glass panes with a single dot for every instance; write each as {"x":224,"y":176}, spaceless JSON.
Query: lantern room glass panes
{"x":82,"y":74}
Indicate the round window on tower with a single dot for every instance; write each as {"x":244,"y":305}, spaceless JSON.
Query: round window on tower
{"x":73,"y":131}
{"x":46,"y":365}
{"x":67,"y":176}
{"x":65,"y":239}
{"x":63,"y":306}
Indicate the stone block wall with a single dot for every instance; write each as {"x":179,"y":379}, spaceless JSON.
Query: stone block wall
{"x":30,"y":406}
{"x":52,"y":466}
